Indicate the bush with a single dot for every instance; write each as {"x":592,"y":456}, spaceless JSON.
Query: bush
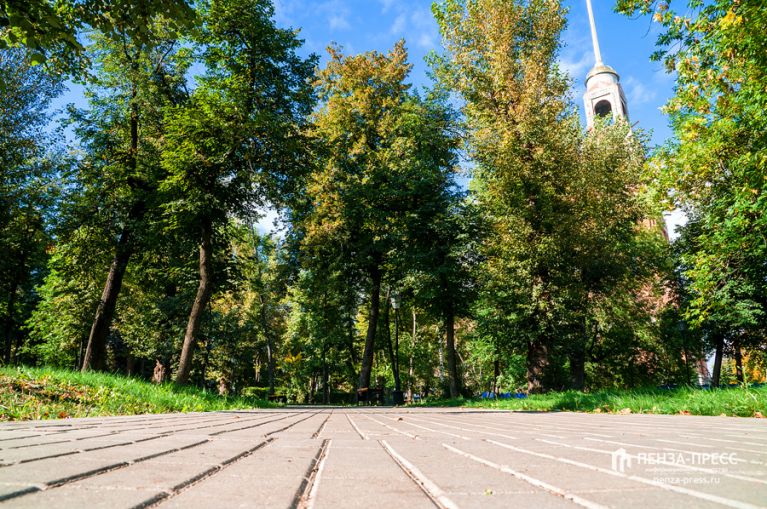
{"x":255,"y":392}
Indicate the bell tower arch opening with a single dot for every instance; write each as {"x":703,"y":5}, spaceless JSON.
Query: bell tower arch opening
{"x":603,"y":108}
{"x":604,"y":95}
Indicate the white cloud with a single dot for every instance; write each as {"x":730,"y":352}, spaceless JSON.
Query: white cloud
{"x":426,"y":41}
{"x":386,"y":5}
{"x":339,"y":22}
{"x":638,"y":92}
{"x":416,"y":25}
{"x":399,"y":25}
{"x":576,"y":64}
{"x":336,"y":12}
{"x":284,"y":11}
{"x":423,"y":18}
{"x":425,"y":27}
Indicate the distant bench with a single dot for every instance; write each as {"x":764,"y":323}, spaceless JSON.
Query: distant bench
{"x":278,"y":398}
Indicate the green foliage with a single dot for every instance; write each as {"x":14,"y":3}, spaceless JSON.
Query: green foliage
{"x":735,"y":402}
{"x":246,"y":320}
{"x":256,"y":392}
{"x":714,"y":167}
{"x":58,"y":326}
{"x":549,"y":272}
{"x":385,"y":155}
{"x":28,"y":393}
{"x":382,"y":185}
{"x":561,"y":207}
{"x":111,"y":200}
{"x":50,"y":28}
{"x":238,"y":142}
{"x":30,"y":187}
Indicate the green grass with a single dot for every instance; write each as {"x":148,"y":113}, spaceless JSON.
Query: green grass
{"x":45,"y":393}
{"x":735,"y":401}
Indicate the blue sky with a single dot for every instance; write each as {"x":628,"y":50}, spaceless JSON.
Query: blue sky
{"x":362,"y":25}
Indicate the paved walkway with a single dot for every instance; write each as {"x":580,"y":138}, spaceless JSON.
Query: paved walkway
{"x":370,"y":458}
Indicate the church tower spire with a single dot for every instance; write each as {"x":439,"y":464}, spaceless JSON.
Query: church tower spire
{"x":594,"y":39}
{"x":604,"y":94}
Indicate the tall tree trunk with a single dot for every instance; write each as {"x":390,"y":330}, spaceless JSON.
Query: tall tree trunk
{"x":397,"y":379}
{"x":412,"y":358}
{"x":350,"y":340}
{"x":351,"y":361}
{"x":204,"y":291}
{"x":441,"y":367}
{"x":312,"y":389}
{"x":205,"y":363}
{"x":537,"y":360}
{"x":270,"y":363}
{"x":257,"y":368}
{"x":715,"y":376}
{"x":393,"y":353}
{"x":387,"y":328}
{"x":10,"y":310}
{"x":80,"y":353}
{"x":739,"y":374}
{"x":578,"y":360}
{"x":325,"y":375}
{"x":453,"y":380}
{"x":375,"y":301}
{"x":496,"y":371}
{"x":95,"y":352}
{"x":269,"y":345}
{"x":452,"y":362}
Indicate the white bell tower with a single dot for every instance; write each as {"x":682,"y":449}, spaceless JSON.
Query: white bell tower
{"x":604,"y":94}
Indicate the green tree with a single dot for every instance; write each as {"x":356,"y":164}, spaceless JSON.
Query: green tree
{"x":58,"y":326}
{"x":714,"y":166}
{"x":562,"y":206}
{"x":28,"y":188}
{"x":119,"y":175}
{"x":616,"y":247}
{"x":51,"y":28}
{"x":501,"y":58}
{"x":386,"y":166}
{"x":446,"y":258}
{"x":238,"y":141}
{"x":267,"y":282}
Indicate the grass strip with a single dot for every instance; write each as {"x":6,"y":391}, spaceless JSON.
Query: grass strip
{"x":47,"y":393}
{"x":730,"y":401}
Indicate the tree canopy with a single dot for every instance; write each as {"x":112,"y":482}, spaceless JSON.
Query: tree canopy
{"x":464,"y":237}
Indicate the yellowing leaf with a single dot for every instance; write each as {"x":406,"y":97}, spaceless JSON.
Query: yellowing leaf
{"x":730,"y":19}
